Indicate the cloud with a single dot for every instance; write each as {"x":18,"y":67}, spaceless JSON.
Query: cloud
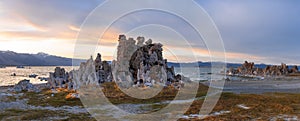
{"x":262,"y":31}
{"x":52,"y":16}
{"x":37,"y":36}
{"x":74,"y":28}
{"x":268,"y":28}
{"x":203,"y":54}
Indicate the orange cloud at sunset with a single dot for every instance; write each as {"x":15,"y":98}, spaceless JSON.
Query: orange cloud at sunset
{"x":74,"y":28}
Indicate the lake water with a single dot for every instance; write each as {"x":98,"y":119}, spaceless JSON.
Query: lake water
{"x":236,"y":85}
{"x":43,"y":71}
{"x":23,"y":73}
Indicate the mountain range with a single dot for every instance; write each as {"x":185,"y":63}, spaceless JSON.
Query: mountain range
{"x":10,"y":58}
{"x":209,"y":64}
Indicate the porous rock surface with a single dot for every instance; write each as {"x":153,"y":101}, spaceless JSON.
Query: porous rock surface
{"x":138,"y":63}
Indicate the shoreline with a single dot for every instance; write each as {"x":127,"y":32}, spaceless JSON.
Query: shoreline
{"x":9,"y":88}
{"x":260,"y":86}
{"x":237,"y":87}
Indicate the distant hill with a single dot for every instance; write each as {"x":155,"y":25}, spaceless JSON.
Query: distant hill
{"x":10,"y":58}
{"x":209,"y":64}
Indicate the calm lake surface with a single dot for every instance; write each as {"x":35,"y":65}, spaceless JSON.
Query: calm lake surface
{"x":23,"y":73}
{"x":238,"y":84}
{"x":43,"y":71}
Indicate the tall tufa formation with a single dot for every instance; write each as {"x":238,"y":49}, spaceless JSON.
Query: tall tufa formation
{"x":120,"y":67}
{"x":141,"y":63}
{"x":138,"y":63}
{"x":103,"y":70}
{"x":92,"y":72}
{"x":59,"y":78}
{"x":85,"y":75}
{"x":147,"y":64}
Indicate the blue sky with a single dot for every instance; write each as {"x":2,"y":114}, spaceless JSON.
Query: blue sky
{"x":267,"y":28}
{"x":263,"y":31}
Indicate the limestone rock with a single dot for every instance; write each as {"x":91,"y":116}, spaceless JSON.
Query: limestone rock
{"x":59,"y":72}
{"x":170,"y":74}
{"x":70,"y":80}
{"x":98,"y":62}
{"x":294,"y":69}
{"x":25,"y":85}
{"x":125,"y":50}
{"x":59,"y":78}
{"x":148,"y":42}
{"x":274,"y":70}
{"x":140,"y":41}
{"x":122,"y":37}
{"x":137,"y":63}
{"x":141,"y":63}
{"x":103,"y":70}
{"x":92,"y":73}
{"x":85,"y":75}
{"x":147,"y":64}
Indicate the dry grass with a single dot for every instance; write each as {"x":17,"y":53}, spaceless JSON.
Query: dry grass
{"x":294,"y":74}
{"x":45,"y":98}
{"x":116,"y":96}
{"x":16,"y":114}
{"x":262,"y":107}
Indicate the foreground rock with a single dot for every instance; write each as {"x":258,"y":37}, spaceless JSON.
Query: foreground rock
{"x":60,"y":78}
{"x":25,"y":85}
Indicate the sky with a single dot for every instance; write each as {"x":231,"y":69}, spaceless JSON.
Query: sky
{"x":265,"y":31}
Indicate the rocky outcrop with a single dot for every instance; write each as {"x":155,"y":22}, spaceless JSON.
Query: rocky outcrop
{"x":147,"y":64}
{"x":103,"y":70}
{"x":25,"y":85}
{"x":274,"y":70}
{"x":137,"y":63}
{"x":85,"y":75}
{"x":92,"y":72}
{"x":120,"y":66}
{"x":141,"y":64}
{"x":294,"y":69}
{"x":59,"y":78}
{"x":283,"y":69}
